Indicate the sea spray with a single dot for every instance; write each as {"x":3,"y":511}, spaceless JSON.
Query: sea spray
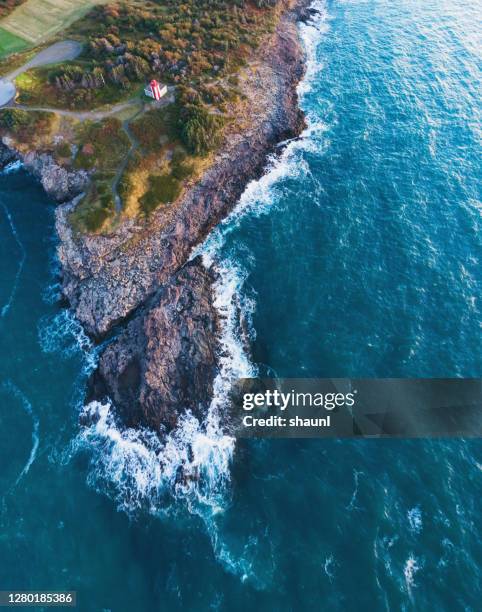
{"x":63,"y":334}
{"x":12,"y":167}
{"x":143,"y":471}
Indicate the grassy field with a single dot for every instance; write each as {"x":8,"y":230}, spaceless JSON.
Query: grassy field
{"x":10,"y":43}
{"x":38,"y":20}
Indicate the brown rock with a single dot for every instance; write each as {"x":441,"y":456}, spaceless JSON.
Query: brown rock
{"x":164,"y":361}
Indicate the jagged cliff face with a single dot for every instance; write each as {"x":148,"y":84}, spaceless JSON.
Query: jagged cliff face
{"x":59,"y":183}
{"x":137,"y":284}
{"x":165,"y":359}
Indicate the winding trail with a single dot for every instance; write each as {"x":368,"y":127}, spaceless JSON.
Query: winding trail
{"x":64,"y":51}
{"x":120,"y":170}
{"x":98,"y":115}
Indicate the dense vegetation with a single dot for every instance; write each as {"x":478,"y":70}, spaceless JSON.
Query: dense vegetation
{"x":24,"y":125}
{"x":194,"y":46}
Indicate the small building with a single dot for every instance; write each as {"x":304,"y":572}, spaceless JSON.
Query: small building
{"x":155,"y":90}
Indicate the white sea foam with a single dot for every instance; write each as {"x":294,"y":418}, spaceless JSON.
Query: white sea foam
{"x":329,"y":567}
{"x":310,"y":32}
{"x":52,"y":293}
{"x":141,"y":471}
{"x":21,"y":263}
{"x":410,"y":569}
{"x":13,"y":166}
{"x":414,"y":516}
{"x":356,"y":477}
{"x":27,"y":406}
{"x":63,"y":334}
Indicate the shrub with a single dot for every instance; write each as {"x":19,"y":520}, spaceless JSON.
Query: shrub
{"x":181,"y":171}
{"x":162,"y":189}
{"x":94,"y":218}
{"x":63,"y":150}
{"x":92,"y":212}
{"x":201,"y":130}
{"x":13,"y":119}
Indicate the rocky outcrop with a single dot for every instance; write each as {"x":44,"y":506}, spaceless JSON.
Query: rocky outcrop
{"x":105,"y":278}
{"x":138,"y":284}
{"x":7,"y":155}
{"x":59,"y":183}
{"x":164,"y":361}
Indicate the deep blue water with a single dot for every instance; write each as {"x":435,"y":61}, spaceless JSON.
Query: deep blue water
{"x":357,"y":254}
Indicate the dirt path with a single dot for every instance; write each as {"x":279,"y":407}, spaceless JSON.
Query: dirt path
{"x":98,"y":115}
{"x":120,"y":170}
{"x":94,"y":115}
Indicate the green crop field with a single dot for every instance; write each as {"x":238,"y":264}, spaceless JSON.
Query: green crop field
{"x":10,"y":43}
{"x":36,"y":21}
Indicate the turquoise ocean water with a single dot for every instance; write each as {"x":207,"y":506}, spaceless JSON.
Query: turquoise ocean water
{"x":357,"y":254}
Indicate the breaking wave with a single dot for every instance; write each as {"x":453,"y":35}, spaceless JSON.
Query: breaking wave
{"x":310,"y":32}
{"x":414,"y":516}
{"x":13,"y":166}
{"x":142,"y":472}
{"x":410,"y":569}
{"x":62,"y":334}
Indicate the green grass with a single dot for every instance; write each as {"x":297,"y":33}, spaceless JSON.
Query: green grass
{"x":9,"y":43}
{"x":39,"y":20}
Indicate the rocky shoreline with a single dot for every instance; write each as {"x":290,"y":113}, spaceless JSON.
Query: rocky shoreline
{"x":138,"y":282}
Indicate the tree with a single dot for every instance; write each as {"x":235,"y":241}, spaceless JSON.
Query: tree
{"x":200,"y":130}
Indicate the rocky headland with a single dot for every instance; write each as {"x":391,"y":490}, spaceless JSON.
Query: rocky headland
{"x":138,"y":285}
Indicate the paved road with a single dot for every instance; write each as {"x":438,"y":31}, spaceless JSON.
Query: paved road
{"x":7,"y":91}
{"x":58,"y":52}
